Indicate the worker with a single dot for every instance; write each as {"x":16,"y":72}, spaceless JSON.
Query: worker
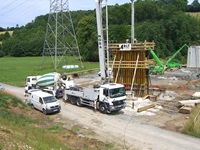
{"x":58,"y":92}
{"x":135,"y":40}
{"x":95,"y":104}
{"x":127,"y":41}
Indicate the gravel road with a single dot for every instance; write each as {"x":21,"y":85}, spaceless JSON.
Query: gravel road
{"x":121,"y":128}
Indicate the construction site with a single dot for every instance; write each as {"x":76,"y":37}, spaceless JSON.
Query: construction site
{"x":164,"y":99}
{"x":133,"y":100}
{"x":167,"y":89}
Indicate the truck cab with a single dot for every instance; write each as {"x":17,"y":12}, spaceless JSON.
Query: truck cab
{"x":112,"y":97}
{"x":31,"y":81}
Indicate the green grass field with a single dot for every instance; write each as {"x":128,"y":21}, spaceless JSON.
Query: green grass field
{"x":10,"y":32}
{"x":14,"y":70}
{"x":194,"y":14}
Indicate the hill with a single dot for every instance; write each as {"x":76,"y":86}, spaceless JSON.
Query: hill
{"x":24,"y":128}
{"x":164,"y":22}
{"x":3,"y":32}
{"x":194,"y":14}
{"x":5,"y":35}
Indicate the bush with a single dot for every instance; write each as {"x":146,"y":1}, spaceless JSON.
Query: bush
{"x":192,"y":126}
{"x":2,"y":54}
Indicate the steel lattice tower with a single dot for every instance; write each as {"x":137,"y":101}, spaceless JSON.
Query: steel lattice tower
{"x":60,"y":39}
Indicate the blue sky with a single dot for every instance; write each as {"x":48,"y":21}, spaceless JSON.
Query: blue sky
{"x":21,"y":12}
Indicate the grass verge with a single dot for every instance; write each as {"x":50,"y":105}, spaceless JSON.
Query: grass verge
{"x":192,"y":126}
{"x":24,"y":128}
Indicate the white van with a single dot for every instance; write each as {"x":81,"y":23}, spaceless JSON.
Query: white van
{"x":44,"y":102}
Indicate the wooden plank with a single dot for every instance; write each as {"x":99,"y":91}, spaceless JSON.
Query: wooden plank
{"x":153,"y":98}
{"x":185,"y":110}
{"x":188,"y":103}
{"x":146,"y":107}
{"x":196,"y":94}
{"x":146,"y":96}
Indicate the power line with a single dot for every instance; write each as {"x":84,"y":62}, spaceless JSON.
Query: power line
{"x":27,"y":10}
{"x":32,"y":7}
{"x":11,"y":10}
{"x":8,"y":5}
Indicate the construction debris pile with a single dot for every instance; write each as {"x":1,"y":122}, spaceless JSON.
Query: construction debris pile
{"x":176,"y":90}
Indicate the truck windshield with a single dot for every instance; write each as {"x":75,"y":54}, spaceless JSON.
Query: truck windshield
{"x":117,"y":92}
{"x":49,"y":99}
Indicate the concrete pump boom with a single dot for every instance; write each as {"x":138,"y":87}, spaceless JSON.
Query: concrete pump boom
{"x":101,"y":46}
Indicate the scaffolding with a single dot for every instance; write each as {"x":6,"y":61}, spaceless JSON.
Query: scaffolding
{"x":130,"y":66}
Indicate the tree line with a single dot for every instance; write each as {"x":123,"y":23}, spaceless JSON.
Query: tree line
{"x":163,"y":21}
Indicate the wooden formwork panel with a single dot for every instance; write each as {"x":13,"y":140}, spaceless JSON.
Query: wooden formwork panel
{"x":125,"y":76}
{"x":127,"y":59}
{"x":135,"y":46}
{"x":126,"y":67}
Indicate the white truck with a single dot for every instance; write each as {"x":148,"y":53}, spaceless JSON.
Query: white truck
{"x":52,"y":83}
{"x":31,"y":81}
{"x":107,"y":98}
{"x":44,"y":102}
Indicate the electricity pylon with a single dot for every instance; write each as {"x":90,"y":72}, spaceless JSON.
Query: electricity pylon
{"x":60,"y":39}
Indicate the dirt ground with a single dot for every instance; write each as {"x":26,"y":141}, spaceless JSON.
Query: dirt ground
{"x":175,"y":86}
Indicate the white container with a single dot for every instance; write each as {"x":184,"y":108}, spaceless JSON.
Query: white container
{"x":193,"y":60}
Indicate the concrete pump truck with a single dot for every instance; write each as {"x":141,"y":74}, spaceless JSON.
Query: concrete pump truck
{"x":106,"y":97}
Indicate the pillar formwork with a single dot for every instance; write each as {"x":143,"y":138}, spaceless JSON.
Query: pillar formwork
{"x":130,"y":67}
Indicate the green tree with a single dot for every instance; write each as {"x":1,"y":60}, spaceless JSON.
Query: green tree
{"x":87,"y":38}
{"x":2,"y":54}
{"x":180,"y":4}
{"x":119,"y":15}
{"x":146,"y":10}
{"x":195,"y":6}
{"x":4,"y":36}
{"x":2,"y":29}
{"x":119,"y":33}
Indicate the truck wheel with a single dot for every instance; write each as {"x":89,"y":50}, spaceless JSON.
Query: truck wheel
{"x":66,"y":98}
{"x":44,"y":111}
{"x":78,"y":102}
{"x":108,"y":111}
{"x":32,"y":106}
{"x":73,"y":100}
{"x":102,"y":108}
